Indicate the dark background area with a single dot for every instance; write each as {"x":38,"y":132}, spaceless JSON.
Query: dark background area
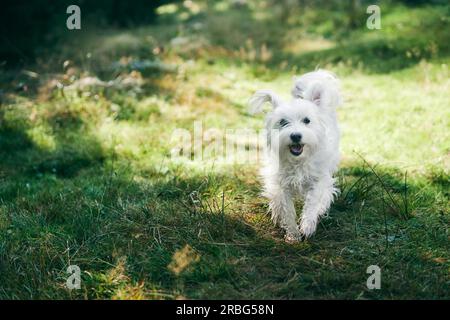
{"x":27,"y":25}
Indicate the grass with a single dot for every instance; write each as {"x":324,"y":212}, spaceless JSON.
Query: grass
{"x":86,"y":177}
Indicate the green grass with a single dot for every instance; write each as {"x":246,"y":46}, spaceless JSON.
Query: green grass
{"x":86,"y":176}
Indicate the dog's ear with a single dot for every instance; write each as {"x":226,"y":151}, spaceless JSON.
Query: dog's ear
{"x":298,"y":91}
{"x":320,"y":87}
{"x":323,"y":94}
{"x":316,"y":93}
{"x":260,"y":97}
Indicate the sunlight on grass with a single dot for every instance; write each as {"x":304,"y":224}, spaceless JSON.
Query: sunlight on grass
{"x":182,"y":259}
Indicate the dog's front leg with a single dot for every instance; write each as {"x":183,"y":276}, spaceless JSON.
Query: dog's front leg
{"x":317,"y":202}
{"x":283,"y":212}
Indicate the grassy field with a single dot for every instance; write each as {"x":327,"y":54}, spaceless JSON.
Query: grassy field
{"x":86,"y":176}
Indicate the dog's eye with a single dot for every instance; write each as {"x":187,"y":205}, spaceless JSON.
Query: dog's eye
{"x":283,"y":123}
{"x":306,"y":121}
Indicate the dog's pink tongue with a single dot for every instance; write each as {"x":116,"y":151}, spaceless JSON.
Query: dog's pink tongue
{"x":296,"y":148}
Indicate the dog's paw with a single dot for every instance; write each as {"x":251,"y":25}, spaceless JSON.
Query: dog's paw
{"x":293,"y":237}
{"x":307,"y":228}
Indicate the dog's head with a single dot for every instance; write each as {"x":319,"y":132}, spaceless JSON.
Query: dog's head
{"x":297,"y":129}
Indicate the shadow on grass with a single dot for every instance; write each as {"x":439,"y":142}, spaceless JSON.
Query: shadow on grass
{"x":377,"y":56}
{"x":21,"y":157}
{"x":127,"y":235}
{"x":384,"y":53}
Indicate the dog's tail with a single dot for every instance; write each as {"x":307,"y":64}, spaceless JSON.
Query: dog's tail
{"x":321,"y":87}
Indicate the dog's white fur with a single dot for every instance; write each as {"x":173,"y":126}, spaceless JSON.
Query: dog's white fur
{"x":315,"y":96}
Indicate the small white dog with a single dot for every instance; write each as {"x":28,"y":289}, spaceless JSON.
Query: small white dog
{"x":302,"y":151}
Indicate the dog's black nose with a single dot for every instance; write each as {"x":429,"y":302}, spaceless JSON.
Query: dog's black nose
{"x":296,"y":137}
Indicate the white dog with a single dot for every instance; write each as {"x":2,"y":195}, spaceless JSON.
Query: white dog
{"x":302,"y":151}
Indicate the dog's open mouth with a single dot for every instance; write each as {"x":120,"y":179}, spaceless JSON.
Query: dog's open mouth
{"x":296,"y":149}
